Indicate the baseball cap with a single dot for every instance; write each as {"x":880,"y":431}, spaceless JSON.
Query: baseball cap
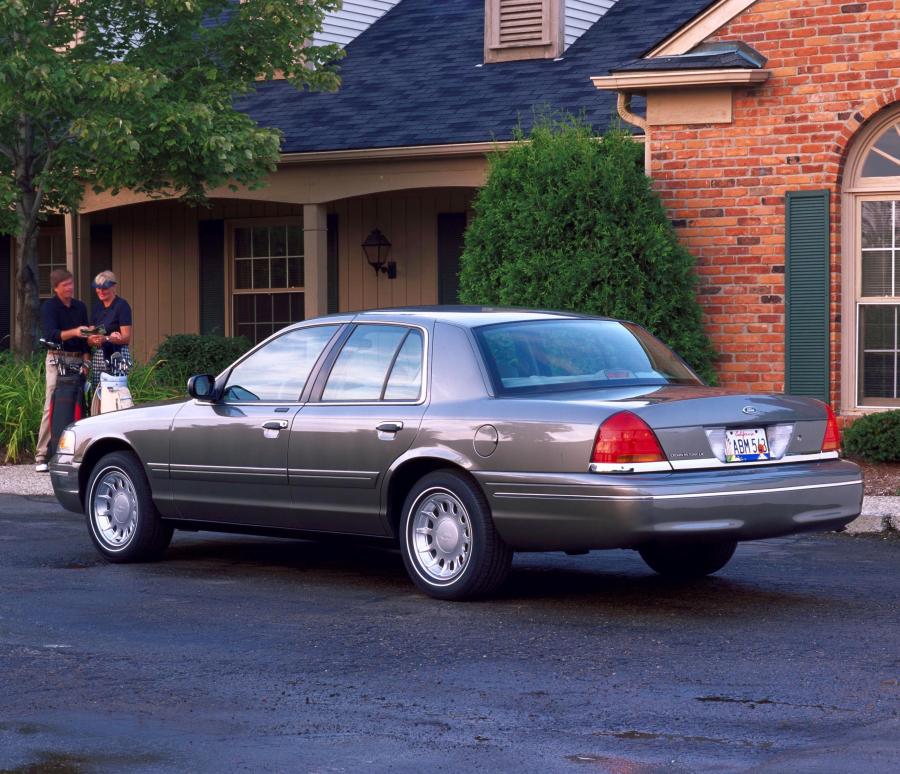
{"x":104,"y":280}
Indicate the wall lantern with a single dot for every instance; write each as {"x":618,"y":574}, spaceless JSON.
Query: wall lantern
{"x":377,"y":248}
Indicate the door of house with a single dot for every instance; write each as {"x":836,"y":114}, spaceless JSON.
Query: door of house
{"x":450,"y":229}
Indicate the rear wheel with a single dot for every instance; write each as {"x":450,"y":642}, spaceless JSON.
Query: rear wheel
{"x":687,"y":561}
{"x":448,"y":541}
{"x":122,"y":520}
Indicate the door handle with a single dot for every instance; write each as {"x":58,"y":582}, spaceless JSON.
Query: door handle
{"x":389,"y":427}
{"x":276,"y":424}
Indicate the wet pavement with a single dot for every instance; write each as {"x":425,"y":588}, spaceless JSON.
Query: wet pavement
{"x":257,"y":655}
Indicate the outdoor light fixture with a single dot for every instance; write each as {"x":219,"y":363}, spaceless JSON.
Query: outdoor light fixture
{"x":377,"y":248}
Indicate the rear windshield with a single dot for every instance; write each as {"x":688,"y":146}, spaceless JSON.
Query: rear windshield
{"x":549,"y":355}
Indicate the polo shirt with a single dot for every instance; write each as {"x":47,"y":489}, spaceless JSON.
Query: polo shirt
{"x":56,"y":317}
{"x":112,"y":318}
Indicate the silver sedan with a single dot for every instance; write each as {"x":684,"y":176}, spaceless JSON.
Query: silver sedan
{"x":463,"y":435}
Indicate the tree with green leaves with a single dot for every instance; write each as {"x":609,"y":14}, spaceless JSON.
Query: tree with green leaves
{"x":139,"y":95}
{"x":569,"y":221}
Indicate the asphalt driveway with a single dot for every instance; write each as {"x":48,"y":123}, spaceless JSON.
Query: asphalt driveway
{"x":249,"y":654}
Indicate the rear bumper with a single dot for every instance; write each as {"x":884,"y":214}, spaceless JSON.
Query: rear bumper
{"x":549,"y":512}
{"x":64,"y":477}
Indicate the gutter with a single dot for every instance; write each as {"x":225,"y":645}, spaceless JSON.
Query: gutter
{"x":457,"y":150}
{"x":623,"y":107}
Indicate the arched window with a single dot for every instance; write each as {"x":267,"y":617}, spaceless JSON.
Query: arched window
{"x":871,"y":267}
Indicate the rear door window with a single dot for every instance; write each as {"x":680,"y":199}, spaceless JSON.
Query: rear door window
{"x":377,"y":363}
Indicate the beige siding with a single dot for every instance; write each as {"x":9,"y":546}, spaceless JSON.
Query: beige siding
{"x":409,"y":221}
{"x":155,"y":257}
{"x":155,"y":254}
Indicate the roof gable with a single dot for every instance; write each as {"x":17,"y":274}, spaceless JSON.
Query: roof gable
{"x":351,"y":19}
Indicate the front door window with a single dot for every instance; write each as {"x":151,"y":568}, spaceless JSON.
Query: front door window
{"x":277,"y":372}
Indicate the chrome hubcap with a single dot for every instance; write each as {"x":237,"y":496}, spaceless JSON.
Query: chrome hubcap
{"x":114,"y":508}
{"x":441,"y":536}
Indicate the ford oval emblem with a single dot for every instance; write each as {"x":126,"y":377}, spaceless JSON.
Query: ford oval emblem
{"x":748,"y":410}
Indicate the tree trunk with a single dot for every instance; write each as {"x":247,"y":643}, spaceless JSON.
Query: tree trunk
{"x":28,"y":206}
{"x":26,"y":330}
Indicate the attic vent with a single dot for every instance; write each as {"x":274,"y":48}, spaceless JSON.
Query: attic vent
{"x":523,"y":29}
{"x":523,"y":22}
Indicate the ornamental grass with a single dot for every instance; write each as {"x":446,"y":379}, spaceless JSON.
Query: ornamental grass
{"x":22,"y":401}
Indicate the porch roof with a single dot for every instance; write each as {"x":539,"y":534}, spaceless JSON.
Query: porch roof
{"x":416,"y":78}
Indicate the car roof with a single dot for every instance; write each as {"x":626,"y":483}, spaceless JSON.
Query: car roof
{"x":468,"y":316}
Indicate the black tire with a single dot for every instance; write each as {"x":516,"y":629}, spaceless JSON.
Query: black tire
{"x":122,"y":520}
{"x":685,"y":561}
{"x":476,"y":561}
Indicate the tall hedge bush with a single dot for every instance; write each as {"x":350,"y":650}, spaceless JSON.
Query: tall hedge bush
{"x":569,"y":221}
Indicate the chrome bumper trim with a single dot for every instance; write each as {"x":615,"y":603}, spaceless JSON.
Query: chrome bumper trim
{"x":704,"y":463}
{"x":630,"y":467}
{"x":691,"y":496}
{"x":712,"y":463}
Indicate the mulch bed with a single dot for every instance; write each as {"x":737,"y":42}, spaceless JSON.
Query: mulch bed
{"x":881,"y":478}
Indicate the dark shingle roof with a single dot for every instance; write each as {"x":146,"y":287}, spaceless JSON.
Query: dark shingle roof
{"x":415,"y":77}
{"x":726,"y":54}
{"x":708,"y":61}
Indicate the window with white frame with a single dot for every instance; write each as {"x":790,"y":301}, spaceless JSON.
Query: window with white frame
{"x":51,"y":255}
{"x":879,"y":334}
{"x":878,"y":262}
{"x":267,"y":278}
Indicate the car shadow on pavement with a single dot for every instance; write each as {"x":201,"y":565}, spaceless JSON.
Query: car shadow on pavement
{"x":609,"y":582}
{"x":247,"y":556}
{"x":614,"y":592}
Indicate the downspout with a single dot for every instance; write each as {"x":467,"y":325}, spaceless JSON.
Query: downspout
{"x":623,"y":106}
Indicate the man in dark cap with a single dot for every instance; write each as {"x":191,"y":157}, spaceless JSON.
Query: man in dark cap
{"x":63,"y":320}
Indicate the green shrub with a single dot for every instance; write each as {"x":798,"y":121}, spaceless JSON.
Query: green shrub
{"x":567,"y":221}
{"x":874,"y":437}
{"x":185,"y":354}
{"x":21,"y":406}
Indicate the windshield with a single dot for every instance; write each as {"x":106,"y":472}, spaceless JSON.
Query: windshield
{"x":546,"y":355}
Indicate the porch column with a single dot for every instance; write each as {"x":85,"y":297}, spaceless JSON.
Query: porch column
{"x":315,"y":259}
{"x":70,"y":221}
{"x":82,"y":270}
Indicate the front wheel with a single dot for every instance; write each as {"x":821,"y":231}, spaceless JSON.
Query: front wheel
{"x":447,"y":537}
{"x":122,"y":520}
{"x":687,"y":561}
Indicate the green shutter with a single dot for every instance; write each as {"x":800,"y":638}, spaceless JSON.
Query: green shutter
{"x":808,"y":294}
{"x":211,"y":236}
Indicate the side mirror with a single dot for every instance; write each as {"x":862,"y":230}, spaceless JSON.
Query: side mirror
{"x":202,"y":387}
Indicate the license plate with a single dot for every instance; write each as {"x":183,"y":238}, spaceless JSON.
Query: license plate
{"x":746,"y":445}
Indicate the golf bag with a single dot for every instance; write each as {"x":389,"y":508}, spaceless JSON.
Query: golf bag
{"x":112,"y":394}
{"x":66,"y":406}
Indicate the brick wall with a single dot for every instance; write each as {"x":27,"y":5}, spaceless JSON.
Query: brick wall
{"x":833,"y":66}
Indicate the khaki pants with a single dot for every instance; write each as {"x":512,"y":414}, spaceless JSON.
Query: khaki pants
{"x":43,"y":443}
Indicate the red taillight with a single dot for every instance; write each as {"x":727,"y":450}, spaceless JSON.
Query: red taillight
{"x":832,"y":440}
{"x":625,"y":437}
